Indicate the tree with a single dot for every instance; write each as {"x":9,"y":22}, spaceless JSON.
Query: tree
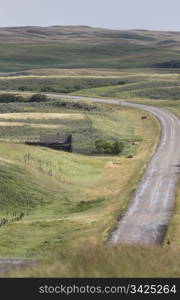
{"x":117,"y":147}
{"x":103,"y":146}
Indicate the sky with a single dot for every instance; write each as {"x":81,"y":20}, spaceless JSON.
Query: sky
{"x":115,"y":14}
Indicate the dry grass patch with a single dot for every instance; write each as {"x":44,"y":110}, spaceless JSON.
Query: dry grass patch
{"x":41,"y":116}
{"x":173,"y":233}
{"x":95,"y":260}
{"x":7,"y":124}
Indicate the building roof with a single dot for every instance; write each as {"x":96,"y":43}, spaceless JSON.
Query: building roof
{"x":51,"y":139}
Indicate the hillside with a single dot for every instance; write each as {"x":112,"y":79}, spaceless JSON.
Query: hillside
{"x":66,"y":198}
{"x":24,"y":48}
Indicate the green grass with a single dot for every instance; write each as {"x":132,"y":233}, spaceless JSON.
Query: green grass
{"x":80,"y":197}
{"x":151,"y":87}
{"x":72,"y":55}
{"x":58,"y":85}
{"x":67,"y":197}
{"x":143,"y":86}
{"x":18,"y":189}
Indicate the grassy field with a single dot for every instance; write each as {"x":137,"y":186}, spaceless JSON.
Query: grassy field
{"x":54,"y":83}
{"x":152,"y":87}
{"x":79,"y":197}
{"x":142,"y":85}
{"x":69,"y":228}
{"x":82,"y":253}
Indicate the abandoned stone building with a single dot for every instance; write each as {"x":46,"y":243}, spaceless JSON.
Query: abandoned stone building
{"x":57,"y":142}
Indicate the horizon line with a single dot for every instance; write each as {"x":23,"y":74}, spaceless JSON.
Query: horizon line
{"x":90,"y":26}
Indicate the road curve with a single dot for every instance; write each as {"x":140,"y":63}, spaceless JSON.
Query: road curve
{"x":148,"y":214}
{"x":150,"y":210}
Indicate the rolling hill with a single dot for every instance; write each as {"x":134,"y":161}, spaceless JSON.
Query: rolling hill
{"x":24,"y":48}
{"x":63,"y":206}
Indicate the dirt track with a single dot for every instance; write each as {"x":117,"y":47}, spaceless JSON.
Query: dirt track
{"x":149,"y":212}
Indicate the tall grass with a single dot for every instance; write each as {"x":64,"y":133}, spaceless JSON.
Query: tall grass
{"x":97,"y":260}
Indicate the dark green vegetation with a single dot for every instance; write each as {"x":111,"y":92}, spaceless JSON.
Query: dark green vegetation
{"x":86,"y":47}
{"x":142,"y":85}
{"x":10,"y":98}
{"x":14,"y":103}
{"x":105,"y":147}
{"x":57,"y":85}
{"x":150,"y":87}
{"x":38,"y":98}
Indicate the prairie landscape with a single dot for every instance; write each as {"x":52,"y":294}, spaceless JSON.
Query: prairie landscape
{"x":58,"y":207}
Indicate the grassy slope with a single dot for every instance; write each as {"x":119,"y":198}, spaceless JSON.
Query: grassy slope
{"x":55,"y":216}
{"x":91,"y":260}
{"x":64,"y":47}
{"x":151,"y":87}
{"x":57,"y":84}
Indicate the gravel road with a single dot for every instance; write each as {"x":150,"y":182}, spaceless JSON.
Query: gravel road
{"x":150,"y":210}
{"x":149,"y":213}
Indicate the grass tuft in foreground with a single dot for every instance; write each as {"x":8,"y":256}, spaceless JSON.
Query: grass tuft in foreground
{"x":94,"y":260}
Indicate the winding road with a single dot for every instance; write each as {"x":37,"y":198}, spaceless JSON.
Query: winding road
{"x":149,"y":213}
{"x":150,"y":210}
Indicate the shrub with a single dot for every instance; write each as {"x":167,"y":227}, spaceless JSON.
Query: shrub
{"x":117,"y":147}
{"x":103,"y":146}
{"x":22,"y":88}
{"x":38,"y":98}
{"x":8,"y":98}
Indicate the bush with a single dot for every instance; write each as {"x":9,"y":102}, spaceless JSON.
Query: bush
{"x":103,"y":146}
{"x":38,"y":98}
{"x":117,"y":147}
{"x":8,"y":98}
